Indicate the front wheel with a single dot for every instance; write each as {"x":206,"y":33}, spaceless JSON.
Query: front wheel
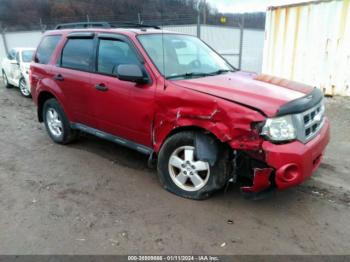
{"x":24,"y":88}
{"x":182,"y":173}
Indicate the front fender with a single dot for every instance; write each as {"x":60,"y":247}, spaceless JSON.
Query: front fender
{"x":230,"y":124}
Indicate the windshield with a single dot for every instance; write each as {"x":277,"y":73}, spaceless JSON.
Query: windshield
{"x":183,"y":56}
{"x":27,"y":56}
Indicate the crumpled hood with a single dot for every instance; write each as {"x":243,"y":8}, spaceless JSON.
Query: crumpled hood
{"x":262,"y":92}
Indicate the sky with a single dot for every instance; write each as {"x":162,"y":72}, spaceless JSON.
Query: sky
{"x":242,"y":6}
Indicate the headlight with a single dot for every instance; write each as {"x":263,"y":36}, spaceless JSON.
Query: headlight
{"x":279,"y":129}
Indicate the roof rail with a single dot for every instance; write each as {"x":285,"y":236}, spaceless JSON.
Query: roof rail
{"x":135,"y":25}
{"x":82,"y":25}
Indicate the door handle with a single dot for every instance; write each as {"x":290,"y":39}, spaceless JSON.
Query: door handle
{"x":101,"y":87}
{"x":58,"y":77}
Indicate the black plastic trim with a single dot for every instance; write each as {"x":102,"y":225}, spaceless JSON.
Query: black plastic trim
{"x":301,"y":104}
{"x":81,"y":35}
{"x":112,"y":36}
{"x":118,"y":140}
{"x":102,"y":24}
{"x":81,"y":25}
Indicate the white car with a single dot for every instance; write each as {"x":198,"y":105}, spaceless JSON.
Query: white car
{"x":15,"y":69}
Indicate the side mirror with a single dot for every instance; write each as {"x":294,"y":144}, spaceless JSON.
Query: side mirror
{"x":131,"y":73}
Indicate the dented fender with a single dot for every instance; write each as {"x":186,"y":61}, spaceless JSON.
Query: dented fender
{"x":180,"y":108}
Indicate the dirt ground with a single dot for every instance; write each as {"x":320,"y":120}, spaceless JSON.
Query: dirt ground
{"x":95,"y":197}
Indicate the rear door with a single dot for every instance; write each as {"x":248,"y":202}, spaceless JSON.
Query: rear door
{"x":124,"y":109}
{"x":73,"y":76}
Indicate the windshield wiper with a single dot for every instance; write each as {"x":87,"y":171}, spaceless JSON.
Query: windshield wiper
{"x":189,"y":75}
{"x":194,"y":74}
{"x":221,"y":71}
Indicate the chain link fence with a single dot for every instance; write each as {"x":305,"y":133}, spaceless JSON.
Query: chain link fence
{"x":234,"y":36}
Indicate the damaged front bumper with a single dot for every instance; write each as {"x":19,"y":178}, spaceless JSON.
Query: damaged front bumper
{"x":289,"y":164}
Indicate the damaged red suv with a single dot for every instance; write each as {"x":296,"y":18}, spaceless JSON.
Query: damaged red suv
{"x":171,"y":97}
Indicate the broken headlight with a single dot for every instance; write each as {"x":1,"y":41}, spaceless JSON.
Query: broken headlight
{"x":279,"y":129}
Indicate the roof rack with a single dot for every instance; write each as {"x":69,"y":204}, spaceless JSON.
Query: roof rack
{"x":136,"y":25}
{"x":82,"y":25}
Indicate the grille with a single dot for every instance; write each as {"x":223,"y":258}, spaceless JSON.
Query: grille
{"x":310,"y":122}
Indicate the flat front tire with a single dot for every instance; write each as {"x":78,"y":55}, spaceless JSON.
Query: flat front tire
{"x":56,"y":123}
{"x":181,"y":173}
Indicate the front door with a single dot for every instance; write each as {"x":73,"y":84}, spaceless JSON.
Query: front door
{"x":124,"y":109}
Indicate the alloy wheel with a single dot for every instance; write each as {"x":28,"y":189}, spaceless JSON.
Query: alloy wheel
{"x":54,"y":122}
{"x":186,"y":172}
{"x":24,"y":88}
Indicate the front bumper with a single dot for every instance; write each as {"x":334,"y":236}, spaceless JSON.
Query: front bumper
{"x":295,"y":162}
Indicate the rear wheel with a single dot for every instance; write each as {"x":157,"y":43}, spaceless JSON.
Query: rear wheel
{"x":57,"y":124}
{"x":181,"y":173}
{"x":5,"y":79}
{"x":24,"y":88}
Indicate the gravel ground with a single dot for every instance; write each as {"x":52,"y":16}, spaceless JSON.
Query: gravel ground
{"x":94,"y":197}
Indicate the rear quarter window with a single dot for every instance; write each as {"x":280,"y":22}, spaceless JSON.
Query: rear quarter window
{"x":46,"y":49}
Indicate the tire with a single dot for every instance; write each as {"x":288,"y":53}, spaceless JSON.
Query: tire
{"x":5,"y":79}
{"x":24,"y":89}
{"x":217,"y":174}
{"x":57,"y":124}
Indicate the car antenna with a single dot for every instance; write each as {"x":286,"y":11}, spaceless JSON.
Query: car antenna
{"x":163,"y":48}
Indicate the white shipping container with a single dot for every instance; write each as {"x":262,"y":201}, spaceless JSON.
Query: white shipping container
{"x":310,"y":43}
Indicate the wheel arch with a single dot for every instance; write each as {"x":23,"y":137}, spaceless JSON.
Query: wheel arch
{"x":186,"y":128}
{"x":42,"y":98}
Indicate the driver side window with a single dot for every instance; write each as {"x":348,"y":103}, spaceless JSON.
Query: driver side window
{"x":112,"y":53}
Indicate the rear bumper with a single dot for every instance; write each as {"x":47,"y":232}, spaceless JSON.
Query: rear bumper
{"x":295,"y":162}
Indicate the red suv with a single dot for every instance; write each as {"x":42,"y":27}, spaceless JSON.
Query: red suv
{"x":172,"y":97}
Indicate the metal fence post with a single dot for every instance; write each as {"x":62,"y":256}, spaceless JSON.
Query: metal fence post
{"x":139,"y":18}
{"x":42,"y":26}
{"x":199,"y":25}
{"x":241,"y":26}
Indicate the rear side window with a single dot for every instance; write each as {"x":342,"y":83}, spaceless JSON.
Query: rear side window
{"x":77,"y":54}
{"x":46,"y":49}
